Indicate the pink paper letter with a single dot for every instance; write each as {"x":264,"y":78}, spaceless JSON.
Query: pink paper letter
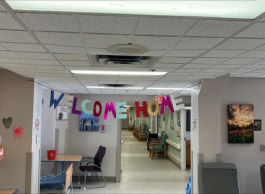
{"x":108,"y":108}
{"x":166,"y":102}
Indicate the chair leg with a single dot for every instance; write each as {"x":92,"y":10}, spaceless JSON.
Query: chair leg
{"x":153,"y":153}
{"x":97,"y":177}
{"x":85,"y":180}
{"x":79,"y":177}
{"x":149,"y":153}
{"x":103,"y":179}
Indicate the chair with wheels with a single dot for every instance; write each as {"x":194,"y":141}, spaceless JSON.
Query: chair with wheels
{"x":95,"y":168}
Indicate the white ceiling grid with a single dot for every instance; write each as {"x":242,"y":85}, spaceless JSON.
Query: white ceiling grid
{"x":48,"y":45}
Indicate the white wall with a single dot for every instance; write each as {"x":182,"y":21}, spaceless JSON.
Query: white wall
{"x":247,"y":157}
{"x":47,"y":132}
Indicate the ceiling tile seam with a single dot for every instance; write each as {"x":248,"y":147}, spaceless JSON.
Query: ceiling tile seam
{"x":134,"y":27}
{"x":14,"y":15}
{"x":227,"y":38}
{"x":168,"y":50}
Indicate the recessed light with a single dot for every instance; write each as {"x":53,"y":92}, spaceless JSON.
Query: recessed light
{"x":168,"y":88}
{"x":136,"y":73}
{"x":115,"y":88}
{"x":247,"y":9}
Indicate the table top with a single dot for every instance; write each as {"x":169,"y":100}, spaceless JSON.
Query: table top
{"x":65,"y":158}
{"x":8,"y":191}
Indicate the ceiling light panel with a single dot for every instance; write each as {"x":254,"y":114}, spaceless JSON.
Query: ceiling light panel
{"x":185,"y":53}
{"x":103,"y":40}
{"x":197,"y":43}
{"x":66,"y":49}
{"x":139,"y":73}
{"x":155,"y":42}
{"x":151,"y":88}
{"x":56,"y":38}
{"x":219,"y":9}
{"x":49,"y":22}
{"x":16,"y":36}
{"x":108,"y":24}
{"x":24,"y":47}
{"x":216,"y":28}
{"x":163,"y":26}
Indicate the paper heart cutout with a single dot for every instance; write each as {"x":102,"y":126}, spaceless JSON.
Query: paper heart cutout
{"x":18,"y":131}
{"x":7,"y":122}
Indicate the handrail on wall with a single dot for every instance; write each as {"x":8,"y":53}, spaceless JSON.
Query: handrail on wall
{"x":172,"y":143}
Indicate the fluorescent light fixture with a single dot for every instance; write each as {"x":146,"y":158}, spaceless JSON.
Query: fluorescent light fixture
{"x":114,"y":88}
{"x":246,"y":9}
{"x":140,"y":73}
{"x":168,"y":88}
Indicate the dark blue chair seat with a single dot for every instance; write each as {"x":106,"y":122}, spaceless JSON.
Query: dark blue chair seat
{"x":90,"y":168}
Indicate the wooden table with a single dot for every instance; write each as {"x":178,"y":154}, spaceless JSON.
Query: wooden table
{"x":65,"y":158}
{"x":8,"y":191}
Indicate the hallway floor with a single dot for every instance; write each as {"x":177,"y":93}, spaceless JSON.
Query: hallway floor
{"x":141,"y":174}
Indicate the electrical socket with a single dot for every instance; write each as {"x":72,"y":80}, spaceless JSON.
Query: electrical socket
{"x":262,"y":147}
{"x":52,"y":170}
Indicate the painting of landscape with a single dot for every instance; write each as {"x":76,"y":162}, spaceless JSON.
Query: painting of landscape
{"x":240,"y":123}
{"x":88,"y":122}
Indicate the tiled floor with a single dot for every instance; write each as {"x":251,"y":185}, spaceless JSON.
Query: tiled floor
{"x":141,"y":174}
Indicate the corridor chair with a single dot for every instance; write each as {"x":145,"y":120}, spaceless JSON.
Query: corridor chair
{"x":158,"y":147}
{"x":131,"y":127}
{"x":158,"y":139}
{"x":144,"y":134}
{"x":150,"y":135}
{"x":262,"y":174}
{"x":218,"y":178}
{"x":59,"y":183}
{"x":95,"y":168}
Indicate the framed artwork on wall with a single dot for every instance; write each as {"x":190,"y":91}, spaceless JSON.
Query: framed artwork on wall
{"x":240,"y":123}
{"x":88,"y":122}
{"x":61,"y":115}
{"x":257,"y":125}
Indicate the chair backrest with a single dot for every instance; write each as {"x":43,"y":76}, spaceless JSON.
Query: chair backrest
{"x":99,"y":155}
{"x":218,"y":178}
{"x":262,"y":174}
{"x":147,"y":128}
{"x":161,"y":135}
{"x":164,"y":138}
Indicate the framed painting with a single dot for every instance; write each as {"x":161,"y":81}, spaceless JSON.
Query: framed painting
{"x":240,"y":123}
{"x":257,"y":125}
{"x":88,"y":122}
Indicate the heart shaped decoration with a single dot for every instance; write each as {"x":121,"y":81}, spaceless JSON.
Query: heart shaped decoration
{"x":18,"y":131}
{"x":7,"y":122}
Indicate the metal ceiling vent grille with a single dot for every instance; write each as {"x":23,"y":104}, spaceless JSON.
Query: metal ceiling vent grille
{"x":116,"y":85}
{"x":122,"y":61}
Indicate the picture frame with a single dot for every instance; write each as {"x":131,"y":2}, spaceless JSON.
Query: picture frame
{"x":257,"y":125}
{"x":61,"y":115}
{"x":171,"y":121}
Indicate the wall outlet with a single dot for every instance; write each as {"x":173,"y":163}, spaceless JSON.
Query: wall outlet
{"x":52,"y":170}
{"x":262,"y":147}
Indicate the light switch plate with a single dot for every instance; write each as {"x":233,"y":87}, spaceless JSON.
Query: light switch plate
{"x":37,"y":139}
{"x":262,"y":147}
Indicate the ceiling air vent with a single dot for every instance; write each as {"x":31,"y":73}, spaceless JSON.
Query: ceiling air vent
{"x":122,"y":61}
{"x":116,"y":85}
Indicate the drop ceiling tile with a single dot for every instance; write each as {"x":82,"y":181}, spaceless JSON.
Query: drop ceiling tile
{"x":120,"y":91}
{"x":155,"y":42}
{"x":181,"y":73}
{"x":8,"y":54}
{"x":2,"y":48}
{"x":43,"y":62}
{"x":57,"y":38}
{"x":71,"y":57}
{"x":167,"y":65}
{"x":16,"y":36}
{"x":108,"y":24}
{"x":78,"y":68}
{"x":164,"y":69}
{"x":183,"y":70}
{"x":52,"y":71}
{"x":28,"y":70}
{"x":216,"y":28}
{"x":22,"y":66}
{"x":213,"y":70}
{"x":107,"y":91}
{"x":223,"y":53}
{"x":31,"y":55}
{"x":204,"y":74}
{"x":254,"y":54}
{"x":10,"y":60}
{"x":103,"y":40}
{"x":257,"y":66}
{"x":209,"y":60}
{"x":76,"y":63}
{"x":24,"y":47}
{"x":240,"y":61}
{"x":185,"y":53}
{"x":96,"y":51}
{"x":174,"y":60}
{"x":49,"y":22}
{"x":196,"y":66}
{"x":163,"y":26}
{"x":50,"y":67}
{"x":225,"y":66}
{"x":249,"y":75}
{"x":8,"y":22}
{"x":66,"y":49}
{"x":241,"y":44}
{"x":1,"y":8}
{"x":256,"y":30}
{"x":262,"y":48}
{"x":197,"y":43}
{"x":259,"y":71}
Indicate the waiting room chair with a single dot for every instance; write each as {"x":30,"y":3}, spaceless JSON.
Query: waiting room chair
{"x":131,"y":127}
{"x":218,"y":178}
{"x":262,"y":174}
{"x":96,"y":168}
{"x":144,"y":134}
{"x":158,"y":147}
{"x":158,"y":139}
{"x":151,"y":135}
